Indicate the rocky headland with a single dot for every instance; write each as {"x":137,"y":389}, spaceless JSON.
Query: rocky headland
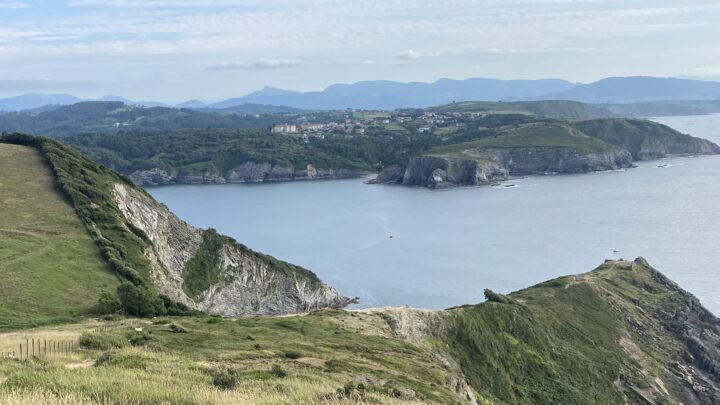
{"x":542,"y":148}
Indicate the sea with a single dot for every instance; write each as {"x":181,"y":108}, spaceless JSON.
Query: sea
{"x":395,"y":245}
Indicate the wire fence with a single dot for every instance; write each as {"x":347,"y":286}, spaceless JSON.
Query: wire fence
{"x":41,"y":348}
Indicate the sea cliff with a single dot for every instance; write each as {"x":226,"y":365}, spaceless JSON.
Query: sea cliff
{"x":248,"y":172}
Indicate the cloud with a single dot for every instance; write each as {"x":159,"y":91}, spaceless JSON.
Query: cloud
{"x":260,"y":64}
{"x":705,"y":71}
{"x":152,"y":3}
{"x":14,"y":5}
{"x":26,"y":85}
{"x":410,"y":54}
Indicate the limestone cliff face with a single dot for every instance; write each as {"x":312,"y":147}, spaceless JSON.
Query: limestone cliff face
{"x":646,"y":140}
{"x":491,"y":165}
{"x":434,"y":172}
{"x":537,"y":160}
{"x":250,"y":284}
{"x":248,"y":172}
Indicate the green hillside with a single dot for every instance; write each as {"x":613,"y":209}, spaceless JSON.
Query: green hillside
{"x":556,"y":109}
{"x":49,"y":264}
{"x":621,"y":334}
{"x":550,"y":134}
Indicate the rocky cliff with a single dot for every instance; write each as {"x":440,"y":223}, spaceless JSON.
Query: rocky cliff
{"x":141,"y":241}
{"x":492,"y":165}
{"x":434,"y":172}
{"x":244,"y":283}
{"x":545,"y":147}
{"x":248,"y":172}
{"x":539,"y":160}
{"x":646,"y":140}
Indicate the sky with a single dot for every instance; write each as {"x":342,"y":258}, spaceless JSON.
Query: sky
{"x":175,"y":50}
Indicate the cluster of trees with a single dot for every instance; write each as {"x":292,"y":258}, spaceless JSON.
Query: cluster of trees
{"x":138,"y":300}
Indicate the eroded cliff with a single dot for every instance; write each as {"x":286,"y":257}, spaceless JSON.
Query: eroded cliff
{"x":241,"y":282}
{"x":248,"y":172}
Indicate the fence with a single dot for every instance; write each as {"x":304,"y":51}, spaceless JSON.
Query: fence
{"x":37,"y":347}
{"x":41,"y":348}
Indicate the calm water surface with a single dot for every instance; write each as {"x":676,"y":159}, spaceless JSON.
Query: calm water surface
{"x":394,"y":245}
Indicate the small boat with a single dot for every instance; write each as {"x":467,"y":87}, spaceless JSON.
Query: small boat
{"x":663,"y":165}
{"x":616,"y":251}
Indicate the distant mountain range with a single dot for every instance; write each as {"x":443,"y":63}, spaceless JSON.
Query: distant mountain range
{"x":639,"y":90}
{"x":388,"y":95}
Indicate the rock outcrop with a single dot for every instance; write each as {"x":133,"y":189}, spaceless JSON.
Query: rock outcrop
{"x":539,"y":160}
{"x":248,"y":172}
{"x":492,"y":165}
{"x":436,"y":172}
{"x":250,"y":284}
{"x":646,"y":140}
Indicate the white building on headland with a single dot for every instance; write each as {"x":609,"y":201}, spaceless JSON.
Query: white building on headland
{"x":285,"y":129}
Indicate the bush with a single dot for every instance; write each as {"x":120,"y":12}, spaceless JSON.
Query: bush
{"x":278,"y":371}
{"x":141,"y":338}
{"x":139,"y":301}
{"x":492,"y":296}
{"x":108,"y":303}
{"x":177,"y":308}
{"x":214,"y":320}
{"x":101,"y":341}
{"x":160,"y":321}
{"x":293,"y":355}
{"x":352,"y":390}
{"x":177,"y":328}
{"x":335,"y":366}
{"x":225,"y":379}
{"x":122,"y":359}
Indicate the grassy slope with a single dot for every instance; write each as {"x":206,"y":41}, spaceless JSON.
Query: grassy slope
{"x":548,"y":109}
{"x":334,"y":348}
{"x":548,"y":134}
{"x":88,"y":187}
{"x":594,"y":338}
{"x":49,"y":265}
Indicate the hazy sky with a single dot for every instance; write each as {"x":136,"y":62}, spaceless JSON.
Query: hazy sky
{"x":172,"y":50}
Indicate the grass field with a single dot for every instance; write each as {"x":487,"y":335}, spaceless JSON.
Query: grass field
{"x":286,"y":360}
{"x":49,"y":265}
{"x":531,"y":135}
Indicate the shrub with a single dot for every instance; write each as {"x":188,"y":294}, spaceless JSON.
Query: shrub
{"x":101,"y":341}
{"x":335,"y":366}
{"x":293,"y":355}
{"x":141,"y":338}
{"x":214,"y":320}
{"x":160,"y":321}
{"x":278,"y":371}
{"x":174,"y":308}
{"x":178,"y":328}
{"x":225,"y":379}
{"x":352,"y":390}
{"x":492,"y":296}
{"x":139,"y":301}
{"x":108,"y":303}
{"x":121,"y":359}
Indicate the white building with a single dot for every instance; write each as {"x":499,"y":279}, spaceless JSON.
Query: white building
{"x":285,"y":129}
